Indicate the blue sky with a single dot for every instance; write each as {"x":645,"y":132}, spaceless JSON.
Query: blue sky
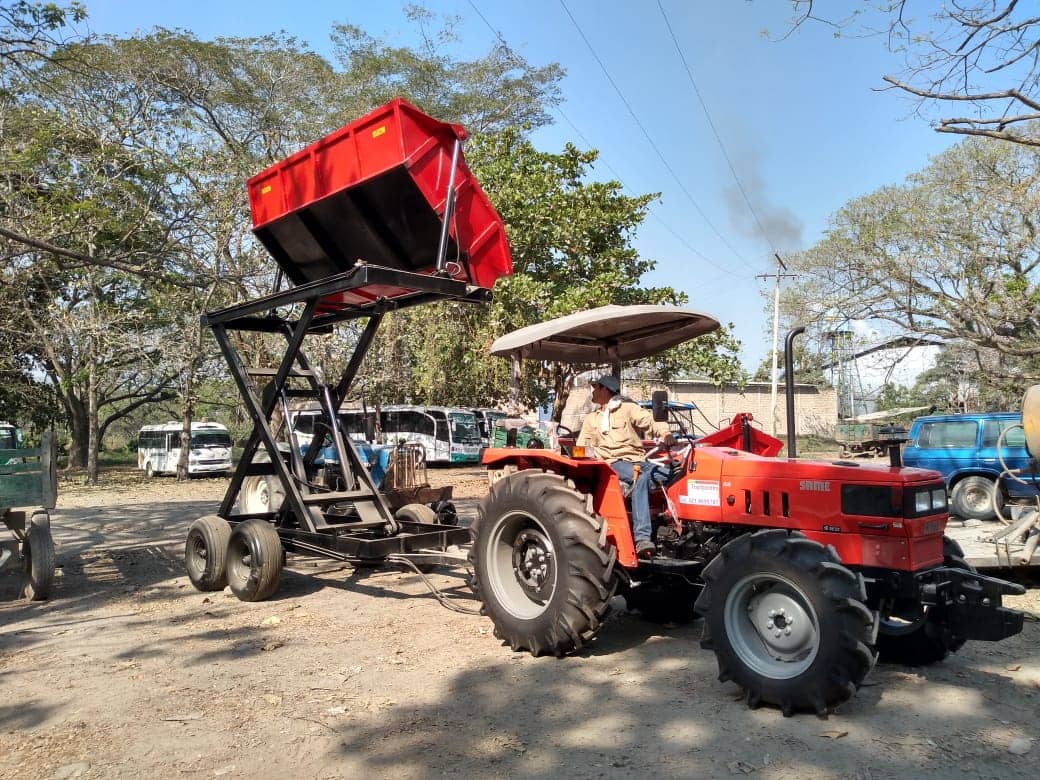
{"x":802,"y":120}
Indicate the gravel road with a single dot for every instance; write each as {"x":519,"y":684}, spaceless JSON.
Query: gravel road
{"x":128,"y":672}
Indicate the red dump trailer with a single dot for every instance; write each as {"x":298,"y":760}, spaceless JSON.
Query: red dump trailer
{"x":380,"y":215}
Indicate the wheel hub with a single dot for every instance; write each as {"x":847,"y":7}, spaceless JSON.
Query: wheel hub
{"x":782,"y":623}
{"x":533,"y":563}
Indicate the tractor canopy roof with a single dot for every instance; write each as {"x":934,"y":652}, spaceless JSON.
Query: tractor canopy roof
{"x":606,"y":334}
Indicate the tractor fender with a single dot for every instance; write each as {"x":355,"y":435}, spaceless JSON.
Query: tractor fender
{"x":594,"y":478}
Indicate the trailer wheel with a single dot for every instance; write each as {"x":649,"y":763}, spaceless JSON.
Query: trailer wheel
{"x":419,"y":513}
{"x":416,"y":513}
{"x":913,"y":635}
{"x":260,"y":495}
{"x":447,"y":514}
{"x":971,"y":498}
{"x":38,"y":559}
{"x":787,"y":621}
{"x":254,"y":560}
{"x":205,"y":553}
{"x":542,"y":567}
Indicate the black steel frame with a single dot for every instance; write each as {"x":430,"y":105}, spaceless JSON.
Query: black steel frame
{"x":351,"y":523}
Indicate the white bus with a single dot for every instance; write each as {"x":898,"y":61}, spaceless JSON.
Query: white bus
{"x":159,"y":448}
{"x":447,"y":434}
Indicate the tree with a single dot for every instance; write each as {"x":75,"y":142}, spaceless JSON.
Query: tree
{"x":27,"y":31}
{"x":953,"y":254}
{"x":491,"y":93}
{"x":571,"y":247}
{"x":981,"y":54}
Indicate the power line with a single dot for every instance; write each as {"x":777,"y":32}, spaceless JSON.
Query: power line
{"x":631,"y":193}
{"x":714,"y":130}
{"x":649,"y":139}
{"x":607,"y":165}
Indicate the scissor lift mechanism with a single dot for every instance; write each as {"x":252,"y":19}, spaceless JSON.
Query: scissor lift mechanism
{"x":363,"y":222}
{"x":351,"y":523}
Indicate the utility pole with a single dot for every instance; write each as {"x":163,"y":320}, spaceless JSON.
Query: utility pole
{"x":780,"y":267}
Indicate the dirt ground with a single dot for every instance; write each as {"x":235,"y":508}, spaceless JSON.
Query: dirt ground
{"x":128,"y":672}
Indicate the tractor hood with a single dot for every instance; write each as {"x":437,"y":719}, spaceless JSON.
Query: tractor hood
{"x":606,"y":334}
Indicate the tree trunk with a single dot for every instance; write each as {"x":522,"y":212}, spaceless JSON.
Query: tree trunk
{"x":187,"y":416}
{"x":79,"y":429}
{"x":93,"y":442}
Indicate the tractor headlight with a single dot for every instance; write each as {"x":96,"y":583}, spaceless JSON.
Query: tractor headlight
{"x":939,"y":499}
{"x":922,"y":502}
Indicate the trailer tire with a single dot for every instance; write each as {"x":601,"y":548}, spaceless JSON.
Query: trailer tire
{"x":38,"y":560}
{"x":416,"y":513}
{"x":971,"y":498}
{"x":254,"y":560}
{"x":543,"y":570}
{"x":205,"y":553}
{"x":926,"y":639}
{"x":771,"y":582}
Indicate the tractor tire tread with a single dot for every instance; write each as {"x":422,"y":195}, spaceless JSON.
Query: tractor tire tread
{"x":586,"y":576}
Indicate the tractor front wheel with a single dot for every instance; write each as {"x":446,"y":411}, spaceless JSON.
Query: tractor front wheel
{"x":914,"y":635}
{"x":787,"y":622}
{"x":542,"y":566}
{"x":261,"y":494}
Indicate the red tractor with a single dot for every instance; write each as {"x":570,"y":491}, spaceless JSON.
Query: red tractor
{"x":804,"y":572}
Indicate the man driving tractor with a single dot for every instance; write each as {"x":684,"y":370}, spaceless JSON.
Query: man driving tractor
{"x":615,"y":430}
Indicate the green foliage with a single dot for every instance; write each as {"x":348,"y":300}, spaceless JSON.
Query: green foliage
{"x":952,"y":254}
{"x":571,"y":246}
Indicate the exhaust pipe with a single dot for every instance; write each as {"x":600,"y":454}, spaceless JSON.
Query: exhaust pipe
{"x":789,"y":387}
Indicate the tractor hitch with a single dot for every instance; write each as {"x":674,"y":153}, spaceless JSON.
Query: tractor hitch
{"x":972,"y":603}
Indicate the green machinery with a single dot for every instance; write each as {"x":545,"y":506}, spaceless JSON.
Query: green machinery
{"x":28,"y":490}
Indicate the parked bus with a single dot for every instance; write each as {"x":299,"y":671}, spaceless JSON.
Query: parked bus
{"x":486,"y":419}
{"x":159,"y":448}
{"x":447,"y":434}
{"x":356,"y":424}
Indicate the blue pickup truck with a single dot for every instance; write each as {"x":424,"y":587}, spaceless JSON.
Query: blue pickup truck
{"x":963,"y":448}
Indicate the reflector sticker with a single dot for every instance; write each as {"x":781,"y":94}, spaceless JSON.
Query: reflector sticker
{"x":265,"y":189}
{"x":701,"y":492}
{"x":378,"y":131}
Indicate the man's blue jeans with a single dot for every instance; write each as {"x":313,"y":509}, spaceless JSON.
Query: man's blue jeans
{"x":640,"y":495}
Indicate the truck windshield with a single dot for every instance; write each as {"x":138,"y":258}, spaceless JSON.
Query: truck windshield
{"x":200,"y":439}
{"x":7,"y":440}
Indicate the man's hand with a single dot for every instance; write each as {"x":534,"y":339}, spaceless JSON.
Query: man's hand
{"x":667,"y":440}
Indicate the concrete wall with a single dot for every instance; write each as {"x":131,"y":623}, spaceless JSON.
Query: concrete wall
{"x":815,"y":409}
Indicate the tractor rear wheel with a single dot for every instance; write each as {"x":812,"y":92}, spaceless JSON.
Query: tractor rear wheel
{"x":914,"y":635}
{"x":254,"y":560}
{"x":787,"y":621}
{"x":543,"y":570}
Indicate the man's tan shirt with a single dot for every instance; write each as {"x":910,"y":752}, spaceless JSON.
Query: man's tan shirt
{"x":629,"y":425}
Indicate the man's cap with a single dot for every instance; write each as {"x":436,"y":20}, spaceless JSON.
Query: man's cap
{"x":608,"y":381}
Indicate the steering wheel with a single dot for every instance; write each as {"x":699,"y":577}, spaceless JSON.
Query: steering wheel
{"x":669,"y":458}
{"x":564,"y":432}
